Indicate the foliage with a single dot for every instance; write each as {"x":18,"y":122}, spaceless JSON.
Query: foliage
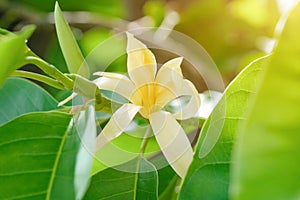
{"x":246,"y":149}
{"x":208,"y":176}
{"x":273,"y":118}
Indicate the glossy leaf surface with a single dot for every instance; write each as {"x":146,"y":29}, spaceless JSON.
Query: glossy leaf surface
{"x":268,"y":149}
{"x":43,"y":158}
{"x":37,"y":159}
{"x":21,"y":96}
{"x":208,"y":176}
{"x":136,"y":179}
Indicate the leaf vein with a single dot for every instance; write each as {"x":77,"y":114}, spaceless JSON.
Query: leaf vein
{"x":28,"y":139}
{"x":26,"y":172}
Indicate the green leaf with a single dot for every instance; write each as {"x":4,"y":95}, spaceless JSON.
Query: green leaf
{"x":128,"y":145}
{"x":4,"y":32}
{"x":19,"y":96}
{"x":38,"y":152}
{"x":68,"y":44}
{"x":136,"y":179}
{"x":125,"y":147}
{"x":167,"y":181}
{"x":208,"y":176}
{"x":167,"y":178}
{"x":55,"y":57}
{"x":267,"y":152}
{"x":12,"y":49}
{"x":27,"y":31}
{"x":47,"y":155}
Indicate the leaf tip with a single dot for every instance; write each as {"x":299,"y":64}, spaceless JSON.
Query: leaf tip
{"x":57,"y":10}
{"x":56,"y":5}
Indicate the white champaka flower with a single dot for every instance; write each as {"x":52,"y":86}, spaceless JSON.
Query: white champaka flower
{"x":148,"y":91}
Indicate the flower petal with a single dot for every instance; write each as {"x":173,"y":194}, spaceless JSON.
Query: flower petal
{"x":172,"y":140}
{"x":115,"y":82}
{"x":141,"y":63}
{"x":170,"y":78}
{"x":170,"y":71}
{"x":117,"y":124}
{"x":189,"y":110}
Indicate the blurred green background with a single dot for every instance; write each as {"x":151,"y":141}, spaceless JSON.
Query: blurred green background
{"x":233,"y":32}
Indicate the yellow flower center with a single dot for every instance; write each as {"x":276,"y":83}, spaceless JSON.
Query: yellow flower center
{"x":152,"y":97}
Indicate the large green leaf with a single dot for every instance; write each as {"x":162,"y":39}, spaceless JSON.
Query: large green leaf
{"x":208,"y":176}
{"x":19,"y":96}
{"x":12,"y":48}
{"x":42,"y":156}
{"x":124,"y":148}
{"x":267,"y":153}
{"x":69,"y":46}
{"x":33,"y":153}
{"x":136,"y":179}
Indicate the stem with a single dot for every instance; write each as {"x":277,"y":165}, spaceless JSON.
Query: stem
{"x":51,"y":71}
{"x":145,"y":140}
{"x":38,"y":77}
